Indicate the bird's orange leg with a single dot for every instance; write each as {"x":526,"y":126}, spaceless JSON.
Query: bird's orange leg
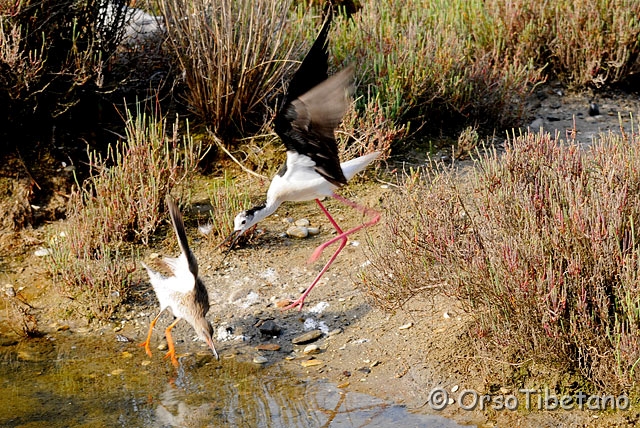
{"x":375,"y":217}
{"x":146,"y":342}
{"x":172,"y":350}
{"x":300,"y":301}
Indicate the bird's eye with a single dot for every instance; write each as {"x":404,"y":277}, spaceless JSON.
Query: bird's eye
{"x":244,"y":222}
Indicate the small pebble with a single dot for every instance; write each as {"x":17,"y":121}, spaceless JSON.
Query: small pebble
{"x":335,"y":331}
{"x":268,"y":347}
{"x":307,"y":337}
{"x":310,"y":363}
{"x":260,"y":359}
{"x":298,"y":232}
{"x":313,"y":231}
{"x":270,"y":328}
{"x":311,"y":349}
{"x":163,"y":346}
{"x":42,"y":252}
{"x":123,"y":339}
{"x":303,"y":222}
{"x":406,"y":326}
{"x":454,"y":388}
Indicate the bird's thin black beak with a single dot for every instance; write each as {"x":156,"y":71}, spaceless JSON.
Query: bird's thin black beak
{"x":233,"y":237}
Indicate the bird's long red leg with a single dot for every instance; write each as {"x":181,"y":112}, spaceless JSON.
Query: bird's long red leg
{"x":172,"y":350}
{"x":300,"y":301}
{"x":375,"y":217}
{"x":146,"y":342}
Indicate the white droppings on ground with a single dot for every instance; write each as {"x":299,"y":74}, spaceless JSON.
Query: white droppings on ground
{"x":41,"y":252}
{"x":249,"y":300}
{"x":269,"y":274}
{"x":205,"y":229}
{"x":225,"y":334}
{"x":319,"y":308}
{"x":312,"y":324}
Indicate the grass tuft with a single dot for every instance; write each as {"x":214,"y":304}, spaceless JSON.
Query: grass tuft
{"x":235,"y":56}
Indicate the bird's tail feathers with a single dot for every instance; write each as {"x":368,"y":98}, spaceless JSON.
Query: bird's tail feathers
{"x":181,"y":234}
{"x":354,"y":166}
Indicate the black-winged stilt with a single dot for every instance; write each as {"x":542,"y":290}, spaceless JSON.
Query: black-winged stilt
{"x":313,"y":107}
{"x":183,"y":292}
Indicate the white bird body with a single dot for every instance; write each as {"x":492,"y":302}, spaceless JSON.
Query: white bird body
{"x":301,"y":182}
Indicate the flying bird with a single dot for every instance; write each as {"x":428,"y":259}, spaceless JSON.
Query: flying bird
{"x":313,"y":107}
{"x":183,"y":292}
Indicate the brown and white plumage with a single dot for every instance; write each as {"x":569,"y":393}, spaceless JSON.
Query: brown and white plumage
{"x":183,"y":292}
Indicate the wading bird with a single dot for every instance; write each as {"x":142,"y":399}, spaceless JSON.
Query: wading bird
{"x":183,"y":292}
{"x":312,"y":109}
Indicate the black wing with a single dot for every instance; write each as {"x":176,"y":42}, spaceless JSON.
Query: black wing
{"x":314,"y":107}
{"x":178,"y":226}
{"x":314,"y":67}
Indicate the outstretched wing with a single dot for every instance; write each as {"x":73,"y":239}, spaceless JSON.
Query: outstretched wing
{"x":313,"y":69}
{"x":313,"y":108}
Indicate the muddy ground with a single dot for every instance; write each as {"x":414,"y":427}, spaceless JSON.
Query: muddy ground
{"x":403,"y":356}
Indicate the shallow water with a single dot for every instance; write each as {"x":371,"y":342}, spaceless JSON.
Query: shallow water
{"x":70,"y":380}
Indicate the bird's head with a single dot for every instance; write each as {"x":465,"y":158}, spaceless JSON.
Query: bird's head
{"x":204,"y":330}
{"x":243,"y":222}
